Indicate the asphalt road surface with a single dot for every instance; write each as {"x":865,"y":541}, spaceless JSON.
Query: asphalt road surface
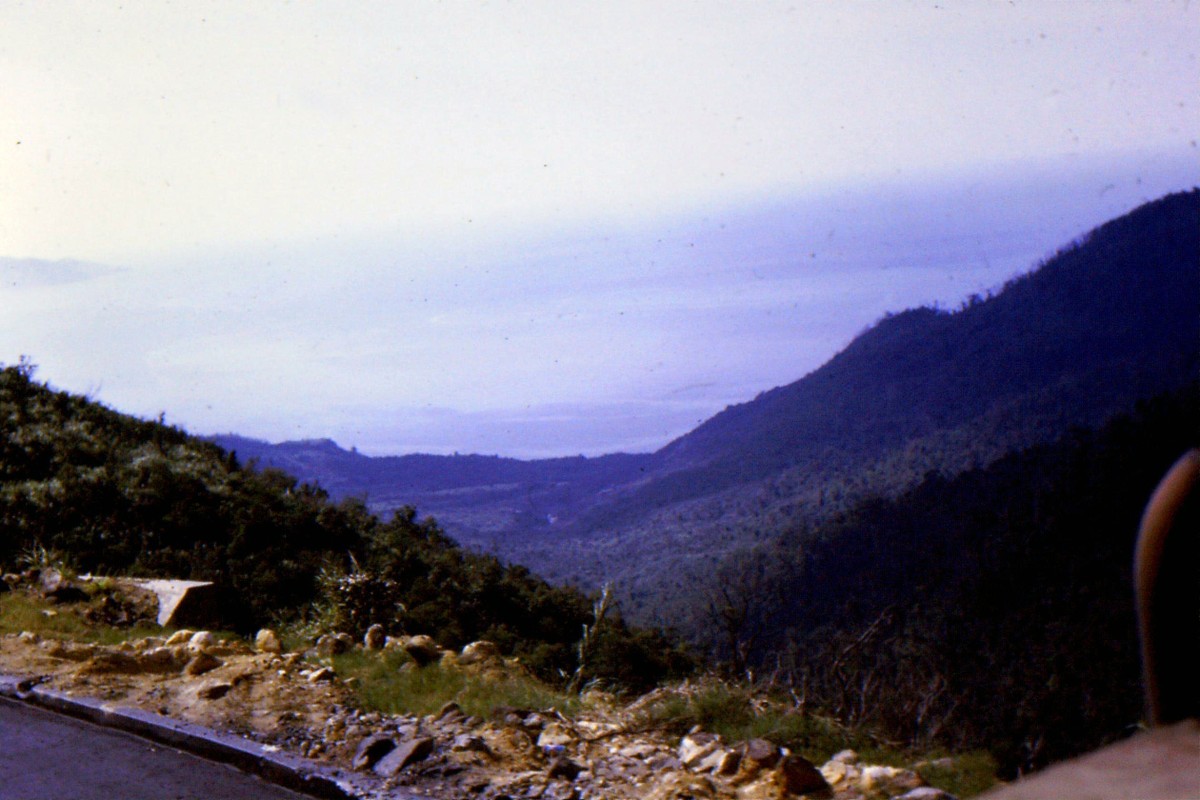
{"x":48,"y":756}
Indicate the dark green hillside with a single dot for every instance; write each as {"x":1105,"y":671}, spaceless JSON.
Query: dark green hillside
{"x":1111,"y":319}
{"x":113,"y":494}
{"x":993,"y":609}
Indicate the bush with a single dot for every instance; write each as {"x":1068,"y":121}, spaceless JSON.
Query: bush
{"x":361,"y":599}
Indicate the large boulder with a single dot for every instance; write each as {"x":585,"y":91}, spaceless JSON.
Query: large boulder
{"x":200,"y":604}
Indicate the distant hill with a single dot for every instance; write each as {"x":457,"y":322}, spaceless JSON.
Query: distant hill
{"x":1112,"y":318}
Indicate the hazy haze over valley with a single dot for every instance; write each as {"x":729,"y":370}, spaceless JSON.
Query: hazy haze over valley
{"x":537,"y":231}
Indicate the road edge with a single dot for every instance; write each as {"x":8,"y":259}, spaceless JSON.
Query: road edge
{"x":249,"y":756}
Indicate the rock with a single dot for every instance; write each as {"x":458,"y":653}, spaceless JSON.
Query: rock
{"x":201,"y":640}
{"x":187,"y":602}
{"x":926,"y":793}
{"x":465,"y":742}
{"x":845,"y":757}
{"x":267,"y":641}
{"x":889,"y":780}
{"x":410,"y":751}
{"x":479,"y":651}
{"x":322,"y":674}
{"x":640,"y":750}
{"x":757,"y":756}
{"x":422,"y":649}
{"x":179,"y":637}
{"x":559,"y":791}
{"x":331,"y":645}
{"x":555,"y":734}
{"x":563,"y":767}
{"x":762,"y":753}
{"x":721,"y":761}
{"x":695,"y":747}
{"x":160,"y":659}
{"x":51,"y":580}
{"x":201,"y":663}
{"x":450,"y":713}
{"x":371,"y":750}
{"x":838,"y":773}
{"x":375,"y":638}
{"x":56,"y":587}
{"x":800,"y":776}
{"x":682,"y":786}
{"x":214,"y":691}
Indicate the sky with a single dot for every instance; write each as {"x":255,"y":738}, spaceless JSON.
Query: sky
{"x":543,"y":228}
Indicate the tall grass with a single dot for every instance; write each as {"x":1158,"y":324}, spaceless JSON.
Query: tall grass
{"x":737,"y":714}
{"x":393,"y":684}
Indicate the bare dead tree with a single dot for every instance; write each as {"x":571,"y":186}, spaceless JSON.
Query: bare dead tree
{"x":591,"y":634}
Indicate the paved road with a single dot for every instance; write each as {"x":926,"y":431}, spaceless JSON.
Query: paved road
{"x":47,"y":756}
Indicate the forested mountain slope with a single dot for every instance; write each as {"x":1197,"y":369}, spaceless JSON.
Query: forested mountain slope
{"x":992,"y":609}
{"x":1112,"y":318}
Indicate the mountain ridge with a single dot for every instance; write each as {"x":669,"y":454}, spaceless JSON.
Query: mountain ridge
{"x":1107,"y":320}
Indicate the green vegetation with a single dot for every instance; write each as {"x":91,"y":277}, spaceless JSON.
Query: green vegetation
{"x":738,"y":713}
{"x":990,"y":610}
{"x":394,"y":684}
{"x":20,"y":611}
{"x":962,"y":775}
{"x":106,"y":493}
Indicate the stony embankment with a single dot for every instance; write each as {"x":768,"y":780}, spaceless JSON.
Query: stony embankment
{"x":296,"y":702}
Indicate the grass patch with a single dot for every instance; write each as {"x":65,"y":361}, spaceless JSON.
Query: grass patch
{"x":968,"y":774}
{"x":393,"y":684}
{"x":20,"y":611}
{"x":738,"y":714}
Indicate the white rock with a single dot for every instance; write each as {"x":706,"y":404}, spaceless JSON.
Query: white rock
{"x":845,"y":757}
{"x":891,"y":780}
{"x":322,"y":674}
{"x":926,"y":793}
{"x":201,"y":640}
{"x":267,"y":641}
{"x":180,"y":637}
{"x":695,"y":747}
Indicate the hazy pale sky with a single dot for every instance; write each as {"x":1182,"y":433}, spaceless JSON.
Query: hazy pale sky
{"x":537,"y":228}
